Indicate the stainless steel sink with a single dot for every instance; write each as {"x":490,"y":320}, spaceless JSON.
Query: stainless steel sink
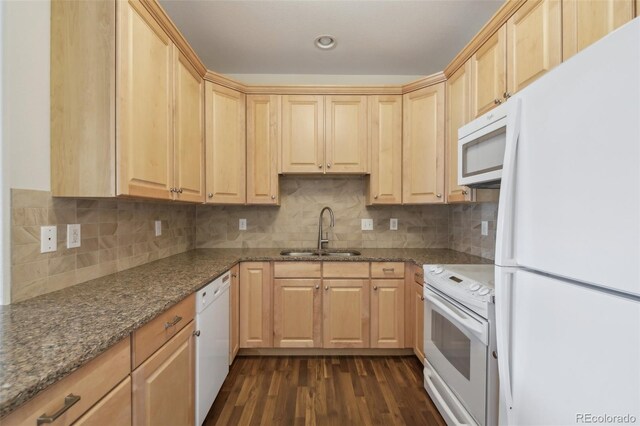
{"x":305,"y":253}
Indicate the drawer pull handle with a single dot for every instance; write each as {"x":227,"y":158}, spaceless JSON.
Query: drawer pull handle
{"x":69,"y":401}
{"x":388,"y":269}
{"x":173,"y":322}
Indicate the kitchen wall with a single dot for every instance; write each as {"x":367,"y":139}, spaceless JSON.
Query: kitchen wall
{"x":464,"y":228}
{"x":295,"y":223}
{"x":116,"y":235}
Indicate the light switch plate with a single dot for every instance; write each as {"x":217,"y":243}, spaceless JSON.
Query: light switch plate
{"x":48,"y":239}
{"x":73,"y":235}
{"x":367,"y":224}
{"x":243,"y":225}
{"x":484,"y":227}
{"x":393,"y":224}
{"x":158,"y":228}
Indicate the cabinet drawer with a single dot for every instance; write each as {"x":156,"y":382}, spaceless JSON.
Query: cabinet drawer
{"x":114,"y":409}
{"x":149,"y":338}
{"x":387,"y":270}
{"x":345,"y":270}
{"x":296,"y":269}
{"x":91,"y":382}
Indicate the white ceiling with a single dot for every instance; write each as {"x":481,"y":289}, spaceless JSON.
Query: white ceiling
{"x":393,"y":37}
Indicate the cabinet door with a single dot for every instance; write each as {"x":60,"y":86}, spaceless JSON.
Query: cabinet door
{"x":585,"y":21}
{"x":488,"y":69}
{"x":164,"y":385}
{"x":145,"y":71}
{"x":458,"y":114}
{"x":418,"y":325}
{"x":297,"y":313}
{"x":225,"y":145}
{"x":346,"y":136}
{"x":114,"y":409}
{"x":423,"y":150}
{"x":234,"y":313}
{"x":346,"y":314}
{"x":385,"y":182}
{"x":387,"y":313}
{"x":256,"y":321}
{"x":302,"y":134}
{"x":263,"y":143}
{"x":189,"y":131}
{"x":534,"y":42}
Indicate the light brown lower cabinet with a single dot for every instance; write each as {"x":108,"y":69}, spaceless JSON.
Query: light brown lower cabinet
{"x":114,"y":409}
{"x":234,"y":314}
{"x":297,"y":313}
{"x":387,"y":313}
{"x":418,"y":321}
{"x":256,"y":321}
{"x":346,"y":313}
{"x":164,"y":385}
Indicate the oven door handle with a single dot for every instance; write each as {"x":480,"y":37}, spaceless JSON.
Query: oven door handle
{"x":458,"y":317}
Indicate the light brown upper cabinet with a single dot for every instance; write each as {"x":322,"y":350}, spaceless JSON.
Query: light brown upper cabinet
{"x":534,"y":42}
{"x":302,"y":134}
{"x":346,"y":134}
{"x":458,"y":114}
{"x":146,"y":86}
{"x":423,"y":146}
{"x":324,"y":134}
{"x":189,"y":132}
{"x":225,"y":145}
{"x":488,"y":73}
{"x":385,"y":127}
{"x":256,"y":319}
{"x":263,"y":143}
{"x":584,"y":21}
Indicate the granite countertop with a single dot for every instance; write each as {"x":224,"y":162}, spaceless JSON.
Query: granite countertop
{"x":44,"y":339}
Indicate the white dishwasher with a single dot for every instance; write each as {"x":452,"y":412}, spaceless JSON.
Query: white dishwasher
{"x":212,"y":343}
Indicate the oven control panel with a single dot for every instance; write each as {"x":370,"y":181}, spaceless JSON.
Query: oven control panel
{"x":471,"y":285}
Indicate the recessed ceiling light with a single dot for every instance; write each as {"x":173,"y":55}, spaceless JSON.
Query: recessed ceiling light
{"x":325,"y":42}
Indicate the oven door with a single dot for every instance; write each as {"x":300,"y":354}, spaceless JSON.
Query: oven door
{"x":455,"y":344}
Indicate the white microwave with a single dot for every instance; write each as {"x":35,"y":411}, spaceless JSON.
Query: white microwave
{"x":481,"y":145}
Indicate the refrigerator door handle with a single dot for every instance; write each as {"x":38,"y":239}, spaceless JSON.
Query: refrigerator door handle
{"x":504,"y":282}
{"x":504,"y":226}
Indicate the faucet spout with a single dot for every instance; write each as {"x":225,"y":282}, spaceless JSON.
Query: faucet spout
{"x":324,"y":241}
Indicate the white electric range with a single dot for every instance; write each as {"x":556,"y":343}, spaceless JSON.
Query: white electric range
{"x":461,"y":369}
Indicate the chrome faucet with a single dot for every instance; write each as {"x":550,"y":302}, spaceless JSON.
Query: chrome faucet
{"x":325,"y":240}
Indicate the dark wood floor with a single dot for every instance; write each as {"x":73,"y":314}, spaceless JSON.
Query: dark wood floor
{"x":324,"y":390}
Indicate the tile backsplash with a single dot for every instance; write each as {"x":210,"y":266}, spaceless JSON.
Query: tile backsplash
{"x":295,"y":223}
{"x":115,"y":235}
{"x":119,"y":234}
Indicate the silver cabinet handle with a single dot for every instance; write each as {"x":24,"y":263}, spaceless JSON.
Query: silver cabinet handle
{"x":375,"y":287}
{"x":326,"y":287}
{"x":375,"y":197}
{"x":507,"y":95}
{"x":172,"y":189}
{"x":328,"y":165}
{"x":173,"y":322}
{"x":464,"y":192}
{"x":69,"y":401}
{"x":422,"y":298}
{"x":319,"y":166}
{"x":273,"y":197}
{"x":317,"y":286}
{"x":210,"y":195}
{"x":179,"y":190}
{"x":388,"y":269}
{"x":439,"y":195}
{"x":497,"y":101}
{"x":234,"y":275}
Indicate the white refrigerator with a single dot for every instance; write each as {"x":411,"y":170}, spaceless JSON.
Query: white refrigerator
{"x":568,"y":243}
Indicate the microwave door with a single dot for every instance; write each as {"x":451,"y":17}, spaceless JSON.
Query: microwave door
{"x":481,"y":155}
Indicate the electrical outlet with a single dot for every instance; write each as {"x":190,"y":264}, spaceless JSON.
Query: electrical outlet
{"x":48,"y":239}
{"x":73,"y":235}
{"x":367,"y":224}
{"x":393,"y":224}
{"x":484,"y":227}
{"x":158,"y":228}
{"x":243,"y":225}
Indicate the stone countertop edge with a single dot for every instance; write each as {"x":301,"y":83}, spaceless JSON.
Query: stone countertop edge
{"x":28,"y":327}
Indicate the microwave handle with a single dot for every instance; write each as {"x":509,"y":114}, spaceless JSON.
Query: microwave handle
{"x":504,"y":225}
{"x":503,"y":282}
